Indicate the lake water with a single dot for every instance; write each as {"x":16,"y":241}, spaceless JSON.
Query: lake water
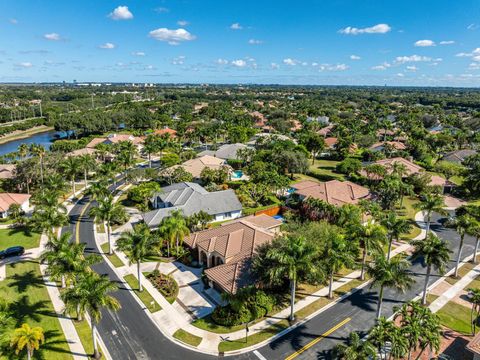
{"x":45,"y":139}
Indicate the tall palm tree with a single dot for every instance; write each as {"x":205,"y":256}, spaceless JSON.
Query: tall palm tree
{"x":150,"y":146}
{"x":23,"y":150}
{"x":137,"y":245}
{"x":357,"y":349}
{"x":47,"y":219}
{"x":70,"y":167}
{"x":86,"y":163}
{"x":176,"y":229}
{"x":474,"y":230}
{"x":94,"y":296}
{"x":463,"y":225}
{"x":98,"y":189}
{"x":109,"y":170}
{"x":474,"y":297}
{"x":26,"y":337}
{"x":7,"y":321}
{"x":338,"y":253}
{"x":431,"y":203}
{"x":395,"y":227}
{"x":392,"y":274}
{"x":372,"y":237}
{"x":108,"y":212}
{"x":382,"y":333}
{"x":435,"y":253}
{"x":39,"y":151}
{"x":292,"y":256}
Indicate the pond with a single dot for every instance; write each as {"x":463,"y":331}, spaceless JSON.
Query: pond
{"x":44,"y":138}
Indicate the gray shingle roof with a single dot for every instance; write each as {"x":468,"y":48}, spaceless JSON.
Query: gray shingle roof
{"x":191,"y":198}
{"x":458,"y":156}
{"x":227,"y":151}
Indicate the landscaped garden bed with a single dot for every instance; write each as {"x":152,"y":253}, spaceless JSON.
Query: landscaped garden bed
{"x":166,"y":284}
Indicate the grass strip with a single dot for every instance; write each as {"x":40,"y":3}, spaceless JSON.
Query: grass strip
{"x":187,"y":338}
{"x":114,"y":259}
{"x":144,"y":295}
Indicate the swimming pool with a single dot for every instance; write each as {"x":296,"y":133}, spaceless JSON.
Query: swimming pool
{"x":238,"y":174}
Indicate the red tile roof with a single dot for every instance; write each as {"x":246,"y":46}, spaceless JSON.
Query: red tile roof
{"x":7,"y":199}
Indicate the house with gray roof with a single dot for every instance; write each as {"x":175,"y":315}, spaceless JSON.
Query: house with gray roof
{"x":192,"y":198}
{"x":458,"y":156}
{"x":226,"y":151}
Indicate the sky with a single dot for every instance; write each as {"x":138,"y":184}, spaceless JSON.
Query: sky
{"x":334,"y":42}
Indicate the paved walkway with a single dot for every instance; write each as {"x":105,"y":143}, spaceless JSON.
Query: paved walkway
{"x":455,"y":289}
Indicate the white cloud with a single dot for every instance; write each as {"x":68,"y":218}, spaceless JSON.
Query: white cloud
{"x":424,"y":43}
{"x":239,"y":63}
{"x":24,"y":65}
{"x":447,"y":42}
{"x":221,"y":61}
{"x":274,"y":66}
{"x":107,"y":45}
{"x":171,"y":36}
{"x":289,"y":61}
{"x":121,"y":13}
{"x":400,"y":75}
{"x":329,"y":67}
{"x":376,"y":29}
{"x":13,"y":21}
{"x":474,"y":66}
{"x":162,"y":10}
{"x":473,"y":27}
{"x":138,"y":53}
{"x":255,"y":42}
{"x":236,"y":26}
{"x":52,"y":37}
{"x":412,"y":58}
{"x":179,"y":60}
{"x":355,"y":57}
{"x":412,"y":68}
{"x":182,"y":22}
{"x":383,"y":66}
{"x":474,"y":53}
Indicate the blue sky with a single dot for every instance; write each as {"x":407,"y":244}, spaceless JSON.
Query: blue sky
{"x":344,"y":42}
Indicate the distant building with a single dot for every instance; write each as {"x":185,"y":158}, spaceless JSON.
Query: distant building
{"x":166,"y":130}
{"x":191,"y":198}
{"x":458,"y":156}
{"x":395,"y":145}
{"x":7,"y":171}
{"x":196,"y":166}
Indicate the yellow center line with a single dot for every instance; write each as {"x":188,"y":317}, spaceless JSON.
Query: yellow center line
{"x":77,"y":225}
{"x":315,"y":341}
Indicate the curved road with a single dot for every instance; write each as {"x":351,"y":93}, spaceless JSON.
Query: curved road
{"x":130,"y":334}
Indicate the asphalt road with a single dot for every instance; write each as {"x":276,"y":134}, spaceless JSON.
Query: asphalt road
{"x":130,"y":334}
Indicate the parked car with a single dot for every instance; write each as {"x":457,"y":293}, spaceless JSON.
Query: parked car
{"x":12,"y":251}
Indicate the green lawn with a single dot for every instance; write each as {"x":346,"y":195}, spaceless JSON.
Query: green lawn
{"x":253,"y":339}
{"x":455,"y":317}
{"x":324,"y":170}
{"x":114,"y":259}
{"x":19,"y":236}
{"x":208,"y":324}
{"x":25,"y":290}
{"x":187,"y":338}
{"x":408,"y":211}
{"x":85,"y":333}
{"x":144,"y":295}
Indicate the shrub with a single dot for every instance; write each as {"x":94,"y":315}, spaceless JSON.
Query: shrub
{"x":166,"y":284}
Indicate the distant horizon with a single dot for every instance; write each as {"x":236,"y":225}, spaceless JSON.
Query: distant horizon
{"x":337,"y":43}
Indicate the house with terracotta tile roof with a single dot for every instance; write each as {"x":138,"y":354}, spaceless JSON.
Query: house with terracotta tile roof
{"x":331,"y":142}
{"x":7,"y":171}
{"x":115,"y":139}
{"x":195,"y":166}
{"x":8,"y":199}
{"x":80,"y":152}
{"x":226,"y":251}
{"x":395,"y":145}
{"x":333,"y":192}
{"x":326,"y":130}
{"x":166,"y":131}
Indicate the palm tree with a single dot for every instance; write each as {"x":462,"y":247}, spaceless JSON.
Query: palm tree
{"x":150,"y":146}
{"x":431,"y":203}
{"x":338,"y":254}
{"x":137,"y":245}
{"x":392,"y":274}
{"x":382,"y":333}
{"x":357,"y":349}
{"x":56,"y":184}
{"x":86,"y":163}
{"x":293,"y":255}
{"x":109,"y":171}
{"x":474,"y":230}
{"x":38,"y":150}
{"x":474,"y":297}
{"x":93,"y":291}
{"x":98,"y":189}
{"x":175,"y":228}
{"x":70,"y":166}
{"x":47,"y":219}
{"x":7,"y":321}
{"x":463,"y":225}
{"x":435,"y":253}
{"x":23,"y":150}
{"x":27,"y":337}
{"x":395,"y":227}
{"x":108,"y":212}
{"x":372,"y":238}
